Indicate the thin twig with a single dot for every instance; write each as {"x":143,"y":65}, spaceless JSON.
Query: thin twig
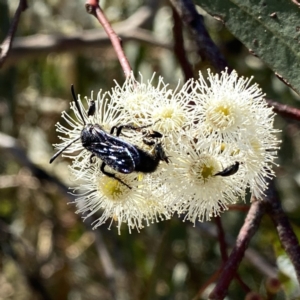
{"x":93,"y":8}
{"x":251,"y":255}
{"x":296,"y":2}
{"x":33,"y":278}
{"x":129,"y":30}
{"x":11,"y":145}
{"x":224,"y":255}
{"x":285,"y":110}
{"x":285,"y":231}
{"x":42,"y":44}
{"x":239,"y":207}
{"x":249,"y":228}
{"x":207,"y":283}
{"x":211,"y":280}
{"x":194,"y":21}
{"x":179,"y":46}
{"x":6,"y":45}
{"x":221,"y":239}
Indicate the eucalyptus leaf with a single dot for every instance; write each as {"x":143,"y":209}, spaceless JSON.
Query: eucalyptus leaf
{"x":269,"y":28}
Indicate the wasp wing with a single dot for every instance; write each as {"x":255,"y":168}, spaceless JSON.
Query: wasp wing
{"x":118,"y":158}
{"x":113,"y":151}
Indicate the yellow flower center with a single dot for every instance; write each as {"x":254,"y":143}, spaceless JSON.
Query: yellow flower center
{"x":204,"y":168}
{"x":223,"y":110}
{"x":112,"y":188}
{"x":206,"y":172}
{"x":170,"y":118}
{"x":167,"y":113}
{"x":220,"y":116}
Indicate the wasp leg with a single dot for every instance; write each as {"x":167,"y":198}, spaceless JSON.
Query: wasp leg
{"x":112,"y":175}
{"x":160,"y":153}
{"x":149,"y":136}
{"x":121,"y":127}
{"x":91,"y":158}
{"x":149,"y":141}
{"x":133,"y":127}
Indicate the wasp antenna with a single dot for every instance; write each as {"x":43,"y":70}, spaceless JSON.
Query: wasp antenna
{"x":76,"y":103}
{"x":62,"y":150}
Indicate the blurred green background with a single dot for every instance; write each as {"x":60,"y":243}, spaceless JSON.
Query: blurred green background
{"x":46,"y":251}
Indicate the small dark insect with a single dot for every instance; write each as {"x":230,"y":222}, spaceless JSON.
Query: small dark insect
{"x":231,"y":170}
{"x":118,"y":154}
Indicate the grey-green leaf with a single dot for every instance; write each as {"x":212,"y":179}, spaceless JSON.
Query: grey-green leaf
{"x":270,"y":28}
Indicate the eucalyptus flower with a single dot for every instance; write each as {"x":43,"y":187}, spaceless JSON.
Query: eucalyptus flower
{"x":133,"y":203}
{"x":232,"y":111}
{"x":227,"y":106}
{"x":218,"y":138}
{"x":167,"y":111}
{"x":196,"y":190}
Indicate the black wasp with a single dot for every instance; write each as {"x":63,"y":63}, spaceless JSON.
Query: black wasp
{"x":231,"y":170}
{"x":121,"y":156}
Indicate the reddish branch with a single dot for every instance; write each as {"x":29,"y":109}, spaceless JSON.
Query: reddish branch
{"x":249,"y":228}
{"x":93,"y":8}
{"x":251,"y":255}
{"x":179,"y":47}
{"x":285,"y":110}
{"x":239,"y":207}
{"x":223,"y":249}
{"x":6,"y":45}
{"x":208,"y":282}
{"x":221,"y":239}
{"x":296,"y":2}
{"x":194,"y":21}
{"x":270,"y":204}
{"x":285,"y":231}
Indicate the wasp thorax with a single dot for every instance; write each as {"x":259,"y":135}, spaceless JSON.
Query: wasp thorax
{"x":88,"y":135}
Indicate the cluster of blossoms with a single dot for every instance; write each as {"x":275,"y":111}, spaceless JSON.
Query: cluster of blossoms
{"x":206,"y":127}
